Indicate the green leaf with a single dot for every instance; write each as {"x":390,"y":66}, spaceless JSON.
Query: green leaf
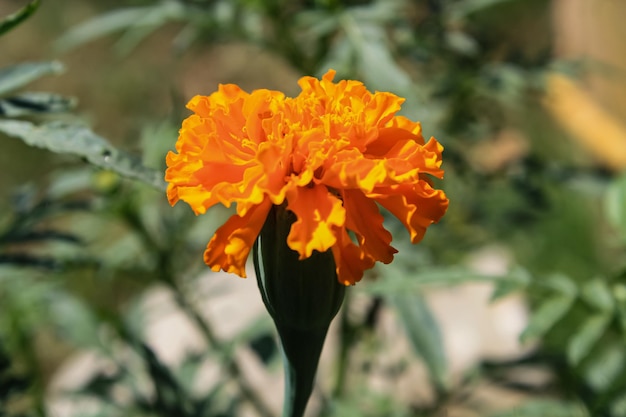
{"x":606,"y":366}
{"x":16,"y":76}
{"x":548,"y":313}
{"x":101,"y":26}
{"x":70,"y":181}
{"x":138,"y":22}
{"x":339,"y":57}
{"x":587,"y":336}
{"x":615,"y":204}
{"x":18,"y":17}
{"x":33,"y":236}
{"x":619,"y":292}
{"x":562,"y":284}
{"x":81,"y":141}
{"x":424,"y":335}
{"x":374,"y":59}
{"x":316,"y":23}
{"x":148,"y":22}
{"x":399,"y":281}
{"x":169,"y":393}
{"x":462,"y":9}
{"x":517,"y":279}
{"x":187,"y":371}
{"x":598,"y":294}
{"x":24,"y":295}
{"x":25,"y":104}
{"x":77,"y":322}
{"x":156,"y":140}
{"x":14,"y":385}
{"x":618,"y":407}
{"x":102,"y":384}
{"x":547,"y":408}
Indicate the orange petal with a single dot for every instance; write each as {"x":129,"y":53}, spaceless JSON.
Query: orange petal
{"x":318,"y":213}
{"x":382,"y":108}
{"x":225,"y":95}
{"x":196,"y":196}
{"x":212,"y":174}
{"x":350,"y":259}
{"x":387,"y":138}
{"x":405,"y":123}
{"x":230,"y":245}
{"x":406,"y":160}
{"x":363,"y":217}
{"x":403,"y":161}
{"x":417,"y":206}
{"x":172,"y":194}
{"x":260,"y":105}
{"x":273,"y":160}
{"x":349,"y":169}
{"x":407,"y":153}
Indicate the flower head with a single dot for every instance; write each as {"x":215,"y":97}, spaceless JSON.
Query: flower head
{"x":332,"y":155}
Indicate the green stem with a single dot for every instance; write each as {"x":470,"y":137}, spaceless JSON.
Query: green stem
{"x":299,"y":347}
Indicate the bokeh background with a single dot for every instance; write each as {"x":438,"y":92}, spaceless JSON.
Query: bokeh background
{"x":514,"y":305}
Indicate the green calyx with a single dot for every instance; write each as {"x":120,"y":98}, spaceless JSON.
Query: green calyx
{"x":302,"y":296}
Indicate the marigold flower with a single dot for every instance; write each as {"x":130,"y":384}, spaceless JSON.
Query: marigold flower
{"x":332,"y":154}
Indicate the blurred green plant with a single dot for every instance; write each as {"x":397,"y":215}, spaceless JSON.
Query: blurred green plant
{"x":110,"y":234}
{"x":72,"y":245}
{"x":12,"y":20}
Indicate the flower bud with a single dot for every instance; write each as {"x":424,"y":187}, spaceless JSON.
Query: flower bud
{"x":302,"y":296}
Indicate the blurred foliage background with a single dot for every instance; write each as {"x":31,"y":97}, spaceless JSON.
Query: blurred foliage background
{"x":525,"y":95}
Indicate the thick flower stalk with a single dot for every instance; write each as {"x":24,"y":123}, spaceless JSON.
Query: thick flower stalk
{"x":331,"y":156}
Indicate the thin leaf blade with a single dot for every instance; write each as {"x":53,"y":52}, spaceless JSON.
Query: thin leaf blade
{"x":598,"y":294}
{"x":546,"y":316}
{"x":424,"y":335}
{"x":18,"y":17}
{"x":101,"y":26}
{"x":32,"y":103}
{"x":81,"y":141}
{"x":586,"y":338}
{"x":17,"y":76}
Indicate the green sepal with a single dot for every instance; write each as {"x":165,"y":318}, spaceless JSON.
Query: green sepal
{"x":302,"y":296}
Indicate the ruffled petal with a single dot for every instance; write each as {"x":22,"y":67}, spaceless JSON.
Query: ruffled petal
{"x":319,"y":214}
{"x":259,"y":106}
{"x":404,"y":123}
{"x":364,"y":219}
{"x":330,"y":153}
{"x":224,"y":97}
{"x":381,"y":108}
{"x":350,"y":260}
{"x":349,"y":169}
{"x":403,"y":162}
{"x":272,"y":158}
{"x":229,"y":247}
{"x":417,"y":206}
{"x":224,"y":155}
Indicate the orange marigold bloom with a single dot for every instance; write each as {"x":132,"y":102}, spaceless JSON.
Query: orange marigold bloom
{"x":330,"y":154}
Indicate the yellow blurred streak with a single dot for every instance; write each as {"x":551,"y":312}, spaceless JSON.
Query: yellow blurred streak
{"x":586,"y":121}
